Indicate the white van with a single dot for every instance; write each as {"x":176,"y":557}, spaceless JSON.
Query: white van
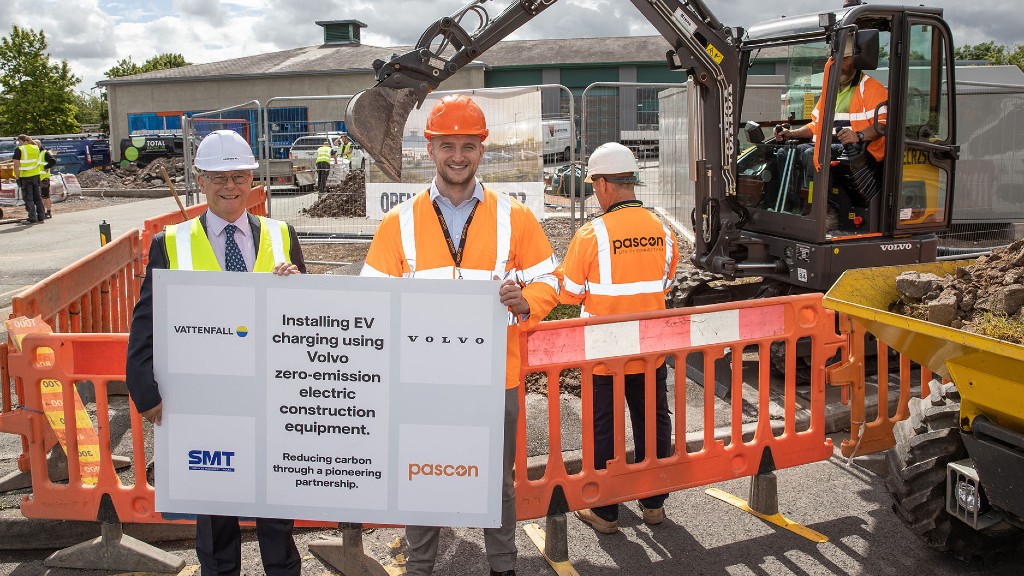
{"x":558,"y":139}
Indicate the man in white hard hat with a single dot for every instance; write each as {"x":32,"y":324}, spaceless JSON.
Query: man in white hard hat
{"x":622,"y":261}
{"x":224,"y":238}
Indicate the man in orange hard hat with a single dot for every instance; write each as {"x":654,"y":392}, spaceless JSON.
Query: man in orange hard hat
{"x":459,"y":229}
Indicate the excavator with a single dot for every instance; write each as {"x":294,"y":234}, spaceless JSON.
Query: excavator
{"x":758,"y":213}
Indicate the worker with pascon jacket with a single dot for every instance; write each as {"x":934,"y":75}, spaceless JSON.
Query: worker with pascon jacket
{"x":224,"y":238}
{"x":459,"y":229}
{"x":622,"y":261}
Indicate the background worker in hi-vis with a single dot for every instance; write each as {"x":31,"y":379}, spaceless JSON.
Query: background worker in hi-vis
{"x":224,"y":238}
{"x":459,"y":229}
{"x":622,"y":261}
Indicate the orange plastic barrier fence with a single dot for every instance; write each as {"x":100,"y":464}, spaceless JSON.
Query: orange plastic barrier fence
{"x":852,"y":374}
{"x":95,"y":294}
{"x":710,"y":331}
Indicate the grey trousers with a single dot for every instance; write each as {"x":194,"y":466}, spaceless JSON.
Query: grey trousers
{"x":500,"y":543}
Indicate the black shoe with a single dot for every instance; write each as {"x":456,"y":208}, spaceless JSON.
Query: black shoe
{"x":505,"y":573}
{"x":29,"y":221}
{"x":48,"y":215}
{"x":40,"y":221}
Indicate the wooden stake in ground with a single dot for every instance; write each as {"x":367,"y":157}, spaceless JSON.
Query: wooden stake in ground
{"x":177,"y":198}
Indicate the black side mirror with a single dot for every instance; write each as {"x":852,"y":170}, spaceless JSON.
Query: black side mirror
{"x":865,"y":51}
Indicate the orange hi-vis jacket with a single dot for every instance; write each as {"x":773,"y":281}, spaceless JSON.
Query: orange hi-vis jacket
{"x":504,"y":240}
{"x":867,"y":94}
{"x":623,"y":261}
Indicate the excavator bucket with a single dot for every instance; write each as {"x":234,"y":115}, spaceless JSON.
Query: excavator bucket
{"x":375,"y":118}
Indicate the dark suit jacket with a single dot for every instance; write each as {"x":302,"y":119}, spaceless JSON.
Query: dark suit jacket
{"x":142,"y":385}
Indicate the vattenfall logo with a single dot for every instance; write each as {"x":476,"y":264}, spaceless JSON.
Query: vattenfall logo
{"x":210,"y":460}
{"x":240,"y":331}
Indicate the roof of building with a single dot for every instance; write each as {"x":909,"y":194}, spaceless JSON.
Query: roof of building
{"x":335,"y":59}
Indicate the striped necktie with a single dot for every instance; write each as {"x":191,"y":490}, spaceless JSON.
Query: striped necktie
{"x":233,"y":261}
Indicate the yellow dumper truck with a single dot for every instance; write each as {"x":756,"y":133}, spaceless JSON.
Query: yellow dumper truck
{"x":957,"y":467}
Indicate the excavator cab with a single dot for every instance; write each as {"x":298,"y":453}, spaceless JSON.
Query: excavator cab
{"x":819,"y":208}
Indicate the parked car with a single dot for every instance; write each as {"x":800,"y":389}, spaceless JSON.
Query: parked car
{"x":497,"y":157}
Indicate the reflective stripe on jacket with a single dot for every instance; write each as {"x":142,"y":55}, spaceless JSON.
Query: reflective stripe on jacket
{"x":623,"y":261}
{"x":188,"y":247}
{"x":866,"y":96}
{"x":503,"y":240}
{"x":29,"y":163}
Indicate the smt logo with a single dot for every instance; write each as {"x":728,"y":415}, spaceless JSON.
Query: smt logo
{"x":900,"y":246}
{"x":211,"y":461}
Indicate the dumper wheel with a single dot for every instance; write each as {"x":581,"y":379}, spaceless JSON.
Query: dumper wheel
{"x":925,"y":443}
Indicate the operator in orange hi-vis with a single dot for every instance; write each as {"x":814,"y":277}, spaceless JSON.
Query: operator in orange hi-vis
{"x":622,"y":261}
{"x":460,"y":229}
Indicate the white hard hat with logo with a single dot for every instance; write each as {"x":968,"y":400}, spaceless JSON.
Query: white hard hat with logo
{"x":223,"y":151}
{"x":611,"y":158}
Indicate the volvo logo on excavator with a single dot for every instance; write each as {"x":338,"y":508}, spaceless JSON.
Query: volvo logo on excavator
{"x":899,"y":246}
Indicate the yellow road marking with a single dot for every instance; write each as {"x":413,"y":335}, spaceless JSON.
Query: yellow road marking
{"x":777,"y":519}
{"x":537,"y":536}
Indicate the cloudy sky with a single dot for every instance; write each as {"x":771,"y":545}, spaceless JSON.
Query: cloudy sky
{"x":94,"y":34}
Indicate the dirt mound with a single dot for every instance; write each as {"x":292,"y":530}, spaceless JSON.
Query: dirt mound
{"x":986,"y":297}
{"x":345,"y":199}
{"x":132,"y":176}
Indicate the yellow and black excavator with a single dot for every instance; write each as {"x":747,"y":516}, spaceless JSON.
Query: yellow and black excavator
{"x":757,"y":211}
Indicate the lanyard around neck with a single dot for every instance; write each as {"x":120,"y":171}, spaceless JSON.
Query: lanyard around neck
{"x":456,"y":254}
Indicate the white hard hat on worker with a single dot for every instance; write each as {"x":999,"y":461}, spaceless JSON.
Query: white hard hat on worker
{"x":611,"y":159}
{"x":225,"y":163}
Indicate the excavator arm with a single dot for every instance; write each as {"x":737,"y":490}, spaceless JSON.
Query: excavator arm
{"x":705,"y":49}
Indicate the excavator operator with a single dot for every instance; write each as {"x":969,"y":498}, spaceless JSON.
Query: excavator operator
{"x":858,"y":99}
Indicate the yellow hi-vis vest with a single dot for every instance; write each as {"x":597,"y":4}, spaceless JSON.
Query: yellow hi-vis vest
{"x":188,"y":247}
{"x":29,"y":161}
{"x":44,"y":173}
{"x":346,"y":151}
{"x":323,"y":154}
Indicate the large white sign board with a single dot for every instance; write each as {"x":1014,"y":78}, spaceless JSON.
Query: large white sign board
{"x":329,"y":397}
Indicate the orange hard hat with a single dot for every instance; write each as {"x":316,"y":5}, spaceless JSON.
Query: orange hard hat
{"x":456,"y":114}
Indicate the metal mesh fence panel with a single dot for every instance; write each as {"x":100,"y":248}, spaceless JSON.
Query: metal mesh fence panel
{"x":242,"y":118}
{"x":528,"y":136}
{"x":320,"y":199}
{"x":988,"y":208}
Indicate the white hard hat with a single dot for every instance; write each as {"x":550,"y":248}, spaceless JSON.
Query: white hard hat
{"x":224,"y":150}
{"x":611,"y":158}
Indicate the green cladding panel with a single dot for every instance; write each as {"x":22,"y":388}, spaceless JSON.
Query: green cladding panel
{"x":512,"y":77}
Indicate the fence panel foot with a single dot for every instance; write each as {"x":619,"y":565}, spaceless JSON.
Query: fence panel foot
{"x":346,"y":554}
{"x":115,"y":552}
{"x":553,"y":543}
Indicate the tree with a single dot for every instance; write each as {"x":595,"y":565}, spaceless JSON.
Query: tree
{"x":127,"y":67}
{"x":92,"y":110}
{"x":994,"y":54}
{"x":36,"y":96}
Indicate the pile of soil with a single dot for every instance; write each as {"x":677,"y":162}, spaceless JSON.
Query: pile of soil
{"x":986,"y":297}
{"x":345,"y":199}
{"x":132,"y":176}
